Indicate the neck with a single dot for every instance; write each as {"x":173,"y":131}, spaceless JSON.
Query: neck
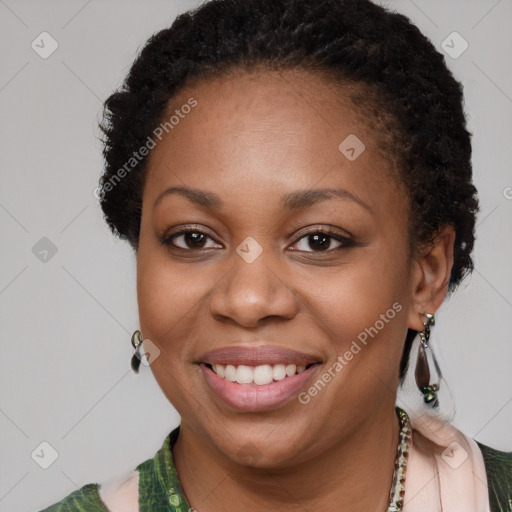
{"x":353,"y":474}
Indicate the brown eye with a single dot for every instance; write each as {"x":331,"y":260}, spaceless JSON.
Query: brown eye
{"x":194,"y":240}
{"x":322,"y":241}
{"x":189,"y":239}
{"x":319,"y":241}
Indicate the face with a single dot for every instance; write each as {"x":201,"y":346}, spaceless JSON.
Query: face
{"x":244,"y":262}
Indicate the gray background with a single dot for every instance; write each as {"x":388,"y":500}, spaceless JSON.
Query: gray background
{"x":67,"y":322}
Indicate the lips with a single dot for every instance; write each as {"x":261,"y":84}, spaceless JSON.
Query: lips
{"x":254,"y":393}
{"x":256,"y":356}
{"x":256,"y":398}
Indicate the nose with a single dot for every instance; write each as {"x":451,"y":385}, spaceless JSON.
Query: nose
{"x":252,"y":292}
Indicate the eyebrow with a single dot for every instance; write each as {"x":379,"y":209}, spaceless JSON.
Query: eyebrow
{"x":293,"y":201}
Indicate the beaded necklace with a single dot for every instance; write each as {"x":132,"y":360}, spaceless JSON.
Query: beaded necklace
{"x":397,"y":492}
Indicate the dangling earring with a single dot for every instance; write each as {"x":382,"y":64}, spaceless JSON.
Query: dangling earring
{"x":137,"y":345}
{"x":422,"y":373}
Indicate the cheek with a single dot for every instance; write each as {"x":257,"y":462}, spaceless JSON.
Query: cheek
{"x":358,"y":293}
{"x":168,"y":298}
{"x":363,"y":305}
{"x":168,"y":294}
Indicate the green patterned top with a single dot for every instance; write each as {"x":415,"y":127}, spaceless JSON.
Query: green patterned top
{"x":498,"y":466}
{"x":160,"y":489}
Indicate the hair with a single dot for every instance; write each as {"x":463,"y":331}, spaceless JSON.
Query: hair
{"x":404,"y":83}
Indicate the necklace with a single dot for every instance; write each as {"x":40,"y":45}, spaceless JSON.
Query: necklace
{"x":397,"y":492}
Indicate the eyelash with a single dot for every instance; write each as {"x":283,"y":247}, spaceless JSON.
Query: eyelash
{"x":331,"y":233}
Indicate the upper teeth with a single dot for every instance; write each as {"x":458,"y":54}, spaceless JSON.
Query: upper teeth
{"x":259,"y":375}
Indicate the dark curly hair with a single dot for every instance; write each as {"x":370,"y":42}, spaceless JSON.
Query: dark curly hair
{"x":414,"y":102}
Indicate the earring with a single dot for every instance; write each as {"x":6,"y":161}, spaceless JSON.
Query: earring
{"x":137,"y":345}
{"x":422,"y":373}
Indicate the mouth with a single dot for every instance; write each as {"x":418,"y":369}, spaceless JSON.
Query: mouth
{"x":260,"y":375}
{"x":257,"y":389}
{"x":256,"y":377}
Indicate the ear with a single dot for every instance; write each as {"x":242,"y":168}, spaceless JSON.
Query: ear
{"x":430,"y":276}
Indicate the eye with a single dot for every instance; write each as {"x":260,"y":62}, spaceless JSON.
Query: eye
{"x":188,"y":239}
{"x":320,"y":240}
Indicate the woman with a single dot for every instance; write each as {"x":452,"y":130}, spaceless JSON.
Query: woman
{"x":295,"y":179}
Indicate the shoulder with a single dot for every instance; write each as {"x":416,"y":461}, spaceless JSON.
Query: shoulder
{"x":496,"y":460}
{"x":449,"y":449}
{"x":498,"y":466}
{"x":154,"y":483}
{"x":85,"y":499}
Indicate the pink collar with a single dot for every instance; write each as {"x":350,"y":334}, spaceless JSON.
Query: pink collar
{"x":445,"y":470}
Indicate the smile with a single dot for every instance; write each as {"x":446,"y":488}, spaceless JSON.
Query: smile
{"x":260,"y":375}
{"x":251,"y":396}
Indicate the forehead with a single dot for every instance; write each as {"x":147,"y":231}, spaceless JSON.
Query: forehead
{"x":267,"y":131}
